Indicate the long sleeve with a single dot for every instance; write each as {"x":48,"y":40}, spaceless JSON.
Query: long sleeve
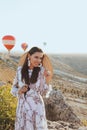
{"x":17,"y":83}
{"x":42,"y":86}
{"x":46,"y":89}
{"x":14,"y":89}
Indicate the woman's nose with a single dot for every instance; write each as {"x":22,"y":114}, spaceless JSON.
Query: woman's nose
{"x":39,"y":60}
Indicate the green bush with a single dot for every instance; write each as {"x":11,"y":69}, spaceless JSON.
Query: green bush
{"x":7,"y":108}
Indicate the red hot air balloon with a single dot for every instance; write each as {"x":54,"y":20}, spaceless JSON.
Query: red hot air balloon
{"x":24,"y":46}
{"x":8,"y":41}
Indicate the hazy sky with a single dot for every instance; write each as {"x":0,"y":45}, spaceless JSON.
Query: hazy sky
{"x":62,"y":24}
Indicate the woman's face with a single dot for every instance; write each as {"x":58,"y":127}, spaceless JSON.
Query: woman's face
{"x":36,"y":59}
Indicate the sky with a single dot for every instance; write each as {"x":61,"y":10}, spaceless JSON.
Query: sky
{"x":62,"y":24}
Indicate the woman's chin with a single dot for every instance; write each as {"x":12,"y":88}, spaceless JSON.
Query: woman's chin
{"x":35,"y":65}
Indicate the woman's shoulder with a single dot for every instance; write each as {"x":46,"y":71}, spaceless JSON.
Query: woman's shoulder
{"x":19,"y":68}
{"x":18,"y":72}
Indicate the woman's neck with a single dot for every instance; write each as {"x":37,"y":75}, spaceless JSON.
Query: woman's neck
{"x":31,"y":67}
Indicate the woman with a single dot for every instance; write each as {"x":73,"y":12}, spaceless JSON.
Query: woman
{"x":29,"y":86}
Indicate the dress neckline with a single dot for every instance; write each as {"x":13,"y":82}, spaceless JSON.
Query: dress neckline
{"x":30,"y":70}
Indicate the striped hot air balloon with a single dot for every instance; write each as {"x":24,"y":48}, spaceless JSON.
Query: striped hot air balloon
{"x":8,"y":41}
{"x":24,"y":46}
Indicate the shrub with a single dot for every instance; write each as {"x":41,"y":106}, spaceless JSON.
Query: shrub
{"x":7,"y":108}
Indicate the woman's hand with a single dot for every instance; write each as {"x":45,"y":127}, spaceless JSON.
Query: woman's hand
{"x":23,"y":89}
{"x":47,"y":75}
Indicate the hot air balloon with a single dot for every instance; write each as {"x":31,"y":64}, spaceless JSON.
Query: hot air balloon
{"x":24,"y":46}
{"x":9,"y":42}
{"x":44,"y":43}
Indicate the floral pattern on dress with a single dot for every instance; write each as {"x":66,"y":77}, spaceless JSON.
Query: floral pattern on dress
{"x":30,"y":112}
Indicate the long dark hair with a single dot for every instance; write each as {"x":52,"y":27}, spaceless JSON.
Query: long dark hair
{"x":25,"y":67}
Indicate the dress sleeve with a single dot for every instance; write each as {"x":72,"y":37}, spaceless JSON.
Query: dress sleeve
{"x":43,"y":87}
{"x":14,"y":89}
{"x":46,"y":89}
{"x":17,"y":83}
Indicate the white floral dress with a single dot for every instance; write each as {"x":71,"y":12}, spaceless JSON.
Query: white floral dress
{"x":30,"y":112}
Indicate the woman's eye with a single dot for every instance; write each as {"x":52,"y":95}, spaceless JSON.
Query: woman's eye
{"x":36,"y":57}
{"x":41,"y":58}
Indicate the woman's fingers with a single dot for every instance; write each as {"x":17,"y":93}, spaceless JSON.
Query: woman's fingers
{"x":47,"y":73}
{"x":23,"y":89}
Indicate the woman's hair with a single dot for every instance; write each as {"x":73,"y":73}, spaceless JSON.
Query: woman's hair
{"x":25,"y":67}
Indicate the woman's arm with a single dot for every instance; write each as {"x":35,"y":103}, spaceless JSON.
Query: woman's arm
{"x":46,"y":88}
{"x":14,"y":89}
{"x":42,"y":85}
{"x":18,"y":86}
